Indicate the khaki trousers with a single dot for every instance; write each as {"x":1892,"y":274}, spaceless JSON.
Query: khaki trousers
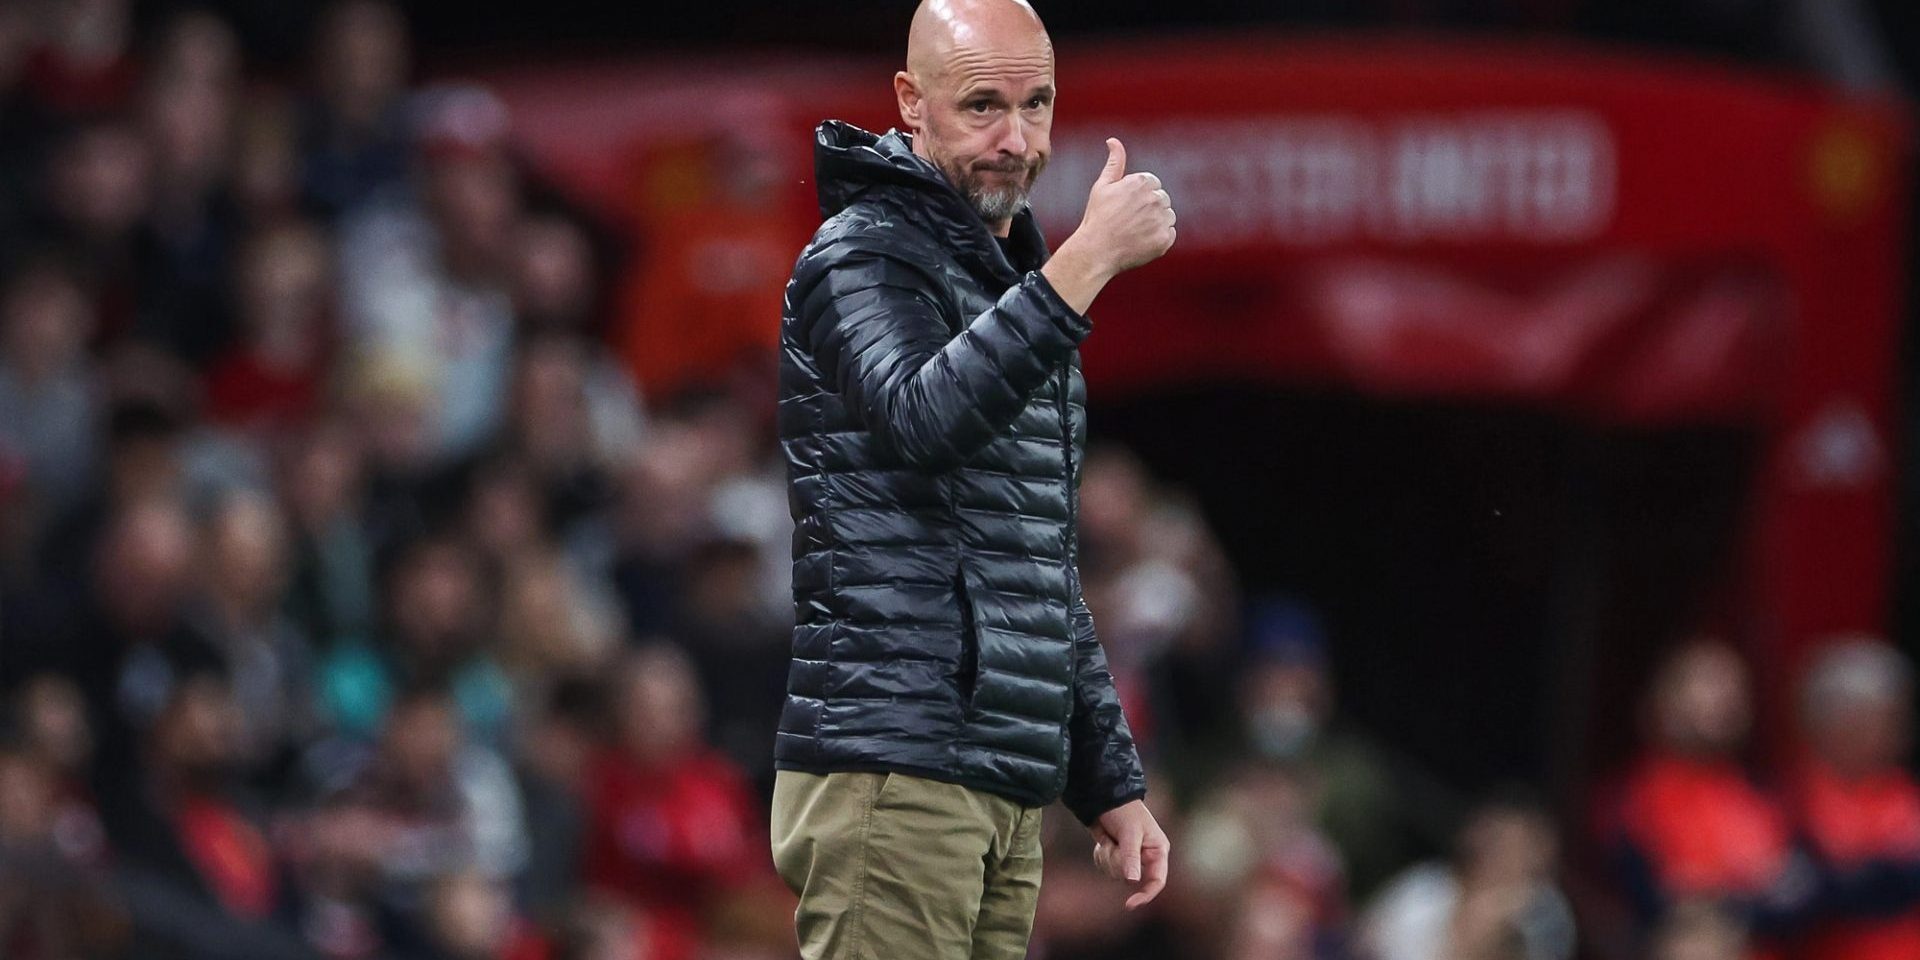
{"x":893,"y":867}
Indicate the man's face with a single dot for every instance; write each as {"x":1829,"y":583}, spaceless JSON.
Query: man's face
{"x":985,"y":118}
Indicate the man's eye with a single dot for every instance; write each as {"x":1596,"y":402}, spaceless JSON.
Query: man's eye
{"x":980,"y":106}
{"x":1036,"y":103}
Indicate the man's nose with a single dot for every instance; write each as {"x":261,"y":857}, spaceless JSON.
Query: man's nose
{"x":1013,"y":135}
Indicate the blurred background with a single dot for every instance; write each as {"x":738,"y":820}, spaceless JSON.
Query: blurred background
{"x":1500,"y":518}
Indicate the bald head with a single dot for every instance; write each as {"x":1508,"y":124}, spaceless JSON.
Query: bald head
{"x":944,"y":30}
{"x":977,"y":94}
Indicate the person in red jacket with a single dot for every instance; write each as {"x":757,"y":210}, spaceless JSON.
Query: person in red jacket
{"x":1855,"y":803}
{"x":671,"y":828}
{"x":1690,"y":825}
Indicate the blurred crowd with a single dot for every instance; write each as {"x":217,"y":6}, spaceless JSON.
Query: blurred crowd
{"x":354,"y":604}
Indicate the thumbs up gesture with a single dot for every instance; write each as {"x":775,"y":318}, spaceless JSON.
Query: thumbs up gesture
{"x":1129,"y":218}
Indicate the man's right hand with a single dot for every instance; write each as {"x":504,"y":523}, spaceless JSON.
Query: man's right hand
{"x":1129,"y":222}
{"x":1129,"y":215}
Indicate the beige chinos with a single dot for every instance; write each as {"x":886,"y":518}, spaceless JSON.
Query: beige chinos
{"x":895,"y":867}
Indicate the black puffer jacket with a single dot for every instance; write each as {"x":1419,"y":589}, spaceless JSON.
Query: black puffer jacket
{"x":933,"y":415}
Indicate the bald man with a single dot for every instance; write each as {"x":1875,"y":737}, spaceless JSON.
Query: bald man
{"x":946,"y":680}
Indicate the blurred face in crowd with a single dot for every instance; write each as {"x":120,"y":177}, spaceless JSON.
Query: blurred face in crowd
{"x":190,"y":100}
{"x":100,"y":180}
{"x":393,"y":408}
{"x":474,"y":195}
{"x":978,"y":95}
{"x":1698,"y":931}
{"x":1285,"y":705}
{"x":248,"y":554}
{"x":505,"y":513}
{"x":145,"y":467}
{"x":1703,"y":702}
{"x":660,"y":707}
{"x":285,"y":283}
{"x":422,"y":739}
{"x":266,"y":160}
{"x":553,"y":273}
{"x":540,"y":619}
{"x":1115,"y":498}
{"x":322,"y":481}
{"x":1864,"y":737}
{"x":47,"y":319}
{"x":198,"y":49}
{"x":197,"y":736}
{"x":1859,"y":709}
{"x":1504,"y":846}
{"x":550,"y":403}
{"x":435,"y":600}
{"x":343,"y":847}
{"x":362,"y":59}
{"x":53,"y":722}
{"x":1271,"y":923}
{"x":91,"y":31}
{"x":145,"y":565}
{"x":723,"y":584}
{"x":471,"y":917}
{"x":26,"y":799}
{"x":603,"y":929}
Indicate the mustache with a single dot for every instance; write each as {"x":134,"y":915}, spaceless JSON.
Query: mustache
{"x":1009,"y":165}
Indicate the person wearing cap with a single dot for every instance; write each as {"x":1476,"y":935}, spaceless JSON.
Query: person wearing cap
{"x":426,"y":271}
{"x":947,"y":682}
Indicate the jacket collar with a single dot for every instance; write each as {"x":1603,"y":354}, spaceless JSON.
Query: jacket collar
{"x":849,"y":163}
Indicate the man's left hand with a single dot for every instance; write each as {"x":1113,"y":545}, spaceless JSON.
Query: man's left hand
{"x":1129,"y":845}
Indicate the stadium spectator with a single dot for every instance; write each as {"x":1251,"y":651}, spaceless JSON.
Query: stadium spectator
{"x":471,"y":917}
{"x":1252,"y":847}
{"x":427,"y":278}
{"x":186,"y":109}
{"x":1287,"y":714}
{"x":53,"y":904}
{"x":270,"y":662}
{"x":195,"y":863}
{"x":437,"y":802}
{"x":322,"y":485}
{"x":352,"y":127}
{"x":273,"y":376}
{"x":48,"y":392}
{"x":1690,"y":825}
{"x":438,"y":620}
{"x":49,"y":721}
{"x":671,"y":826}
{"x":1497,"y":898}
{"x":1856,"y":803}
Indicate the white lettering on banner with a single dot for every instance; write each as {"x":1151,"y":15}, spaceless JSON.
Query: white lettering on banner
{"x":1530,"y":176}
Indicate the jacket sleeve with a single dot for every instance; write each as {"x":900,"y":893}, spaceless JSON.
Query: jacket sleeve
{"x":1103,"y":769}
{"x":930,"y":397}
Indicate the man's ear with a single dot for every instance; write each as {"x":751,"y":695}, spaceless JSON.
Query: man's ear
{"x":913,"y":104}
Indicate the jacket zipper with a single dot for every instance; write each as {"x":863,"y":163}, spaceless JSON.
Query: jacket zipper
{"x":1073,"y":564}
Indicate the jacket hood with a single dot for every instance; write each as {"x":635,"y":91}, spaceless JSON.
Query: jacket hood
{"x":849,"y":163}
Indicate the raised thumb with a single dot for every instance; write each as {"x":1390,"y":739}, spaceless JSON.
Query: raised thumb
{"x":1116,"y":162}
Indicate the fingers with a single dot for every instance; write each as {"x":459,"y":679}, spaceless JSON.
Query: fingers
{"x":1103,"y":850}
{"x":1116,"y":161}
{"x":1150,"y":179}
{"x":1126,"y":851}
{"x":1155,"y":856}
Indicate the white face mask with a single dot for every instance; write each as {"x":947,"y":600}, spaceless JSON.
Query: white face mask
{"x":1284,"y":731}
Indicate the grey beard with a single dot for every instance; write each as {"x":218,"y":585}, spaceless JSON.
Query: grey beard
{"x":996,"y":205}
